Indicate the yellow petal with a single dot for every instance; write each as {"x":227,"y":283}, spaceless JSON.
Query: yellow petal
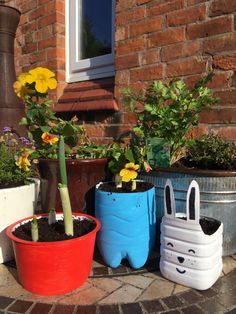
{"x":41,"y":86}
{"x":52,"y":83}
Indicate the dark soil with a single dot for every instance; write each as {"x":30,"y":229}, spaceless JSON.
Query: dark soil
{"x":54,"y":232}
{"x":126,"y":187}
{"x":208,"y":225}
{"x":7,"y":185}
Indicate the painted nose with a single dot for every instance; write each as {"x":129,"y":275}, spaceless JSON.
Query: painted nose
{"x":180,"y":259}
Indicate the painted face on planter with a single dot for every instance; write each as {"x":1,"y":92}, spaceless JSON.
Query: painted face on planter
{"x":187,"y":251}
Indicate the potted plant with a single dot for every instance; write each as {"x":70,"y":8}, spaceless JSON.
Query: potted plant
{"x":127,"y":210}
{"x":191,"y":245}
{"x":18,"y":191}
{"x":54,"y":255}
{"x":171,"y":111}
{"x":44,"y":128}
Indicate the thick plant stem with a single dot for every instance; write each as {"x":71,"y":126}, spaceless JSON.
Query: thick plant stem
{"x":34,"y":229}
{"x":64,"y":193}
{"x":52,"y":216}
{"x":65,"y":200}
{"x":62,"y":161}
{"x":118,"y":181}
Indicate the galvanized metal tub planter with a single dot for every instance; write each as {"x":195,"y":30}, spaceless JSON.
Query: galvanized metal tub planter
{"x":191,"y":245}
{"x":217,"y":191}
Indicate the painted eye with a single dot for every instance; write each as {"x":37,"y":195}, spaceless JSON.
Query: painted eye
{"x":191,"y":251}
{"x":170,"y":244}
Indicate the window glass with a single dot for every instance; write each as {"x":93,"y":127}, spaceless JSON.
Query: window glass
{"x":95,"y":34}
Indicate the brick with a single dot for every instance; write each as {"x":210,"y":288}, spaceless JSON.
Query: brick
{"x":135,"y":44}
{"x":114,"y":131}
{"x":38,"y":12}
{"x":131,"y":308}
{"x":20,"y":306}
{"x":185,"y":67}
{"x":47,"y":20}
{"x":193,"y":2}
{"x":166,"y":7}
{"x":192,"y":309}
{"x":147,"y":73}
{"x":107,"y":308}
{"x":220,"y":7}
{"x":189,"y":15}
{"x":127,"y":62}
{"x":140,"y":2}
{"x":56,"y":53}
{"x":181,"y":50}
{"x":120,"y":33}
{"x":228,"y":132}
{"x":131,"y":16}
{"x":213,"y":27}
{"x":152,"y":306}
{"x":41,"y":308}
{"x":150,"y":57}
{"x":173,"y":302}
{"x":125,"y":5}
{"x":46,"y":43}
{"x":219,"y":116}
{"x":225,"y":62}
{"x":167,"y":37}
{"x":146,"y":26}
{"x":227,"y":97}
{"x":63,"y":309}
{"x":220,"y":80}
{"x":94,"y":130}
{"x":37,"y":57}
{"x":223,"y":43}
{"x":130,"y":118}
{"x":5,"y":302}
{"x":29,"y":48}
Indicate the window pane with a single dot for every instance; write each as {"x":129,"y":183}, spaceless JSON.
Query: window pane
{"x":95,"y":34}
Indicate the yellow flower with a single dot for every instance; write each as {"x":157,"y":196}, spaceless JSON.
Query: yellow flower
{"x":23,"y":161}
{"x":19,"y":86}
{"x":129,"y":172}
{"x":43,"y":79}
{"x":49,"y":138}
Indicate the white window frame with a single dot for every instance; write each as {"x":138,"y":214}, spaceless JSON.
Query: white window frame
{"x":91,"y":68}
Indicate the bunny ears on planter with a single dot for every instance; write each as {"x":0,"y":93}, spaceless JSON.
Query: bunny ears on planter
{"x":191,"y":254}
{"x":192,"y":202}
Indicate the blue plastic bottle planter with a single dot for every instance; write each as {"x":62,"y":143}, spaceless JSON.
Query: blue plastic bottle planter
{"x":128,"y":226}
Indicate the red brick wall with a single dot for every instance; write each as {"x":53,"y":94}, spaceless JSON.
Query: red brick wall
{"x":40,"y":38}
{"x":180,"y":38}
{"x":155,"y":39}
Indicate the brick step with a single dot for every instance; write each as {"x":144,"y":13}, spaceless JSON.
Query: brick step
{"x":99,"y":104}
{"x":107,"y":83}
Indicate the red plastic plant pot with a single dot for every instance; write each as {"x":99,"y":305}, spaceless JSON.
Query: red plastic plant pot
{"x":52,"y":268}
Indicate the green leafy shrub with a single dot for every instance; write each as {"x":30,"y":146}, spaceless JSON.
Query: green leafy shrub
{"x":169,"y":111}
{"x":212,"y":152}
{"x":15,"y":167}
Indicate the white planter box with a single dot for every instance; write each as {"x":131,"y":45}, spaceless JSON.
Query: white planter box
{"x":15,"y":204}
{"x":188,"y":255}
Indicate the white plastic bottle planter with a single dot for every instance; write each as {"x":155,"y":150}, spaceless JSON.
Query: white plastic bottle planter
{"x":191,"y":246}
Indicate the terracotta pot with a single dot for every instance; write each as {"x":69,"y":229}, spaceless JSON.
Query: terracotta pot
{"x":83,"y":175}
{"x":52,"y":268}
